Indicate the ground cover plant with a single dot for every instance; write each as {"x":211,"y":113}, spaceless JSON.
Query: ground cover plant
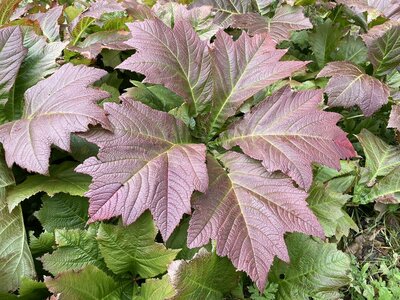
{"x":199,"y":150}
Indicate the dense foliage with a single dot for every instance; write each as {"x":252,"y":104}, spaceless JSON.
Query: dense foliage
{"x":240,"y":149}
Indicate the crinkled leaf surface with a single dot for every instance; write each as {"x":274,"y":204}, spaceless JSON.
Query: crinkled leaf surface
{"x":350,"y":86}
{"x":147,"y":162}
{"x":248,"y":211}
{"x":206,"y":276}
{"x":133,"y":249}
{"x":15,"y":257}
{"x":316,"y":270}
{"x":76,"y":249}
{"x":176,"y":58}
{"x":62,"y":179}
{"x":241,"y":69}
{"x":288,"y":132}
{"x":156,"y":289}
{"x":54,"y":108}
{"x":48,"y":22}
{"x":12,"y":53}
{"x":63,"y":211}
{"x":286,"y":19}
{"x":381,"y":158}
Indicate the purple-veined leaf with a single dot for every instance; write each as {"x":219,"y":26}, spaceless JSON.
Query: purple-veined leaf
{"x":394,"y":119}
{"x":12,"y":53}
{"x":137,"y":10}
{"x":147,"y":162}
{"x":174,"y":57}
{"x":247,"y":210}
{"x":286,"y":19}
{"x":241,"y":69}
{"x":54,"y":108}
{"x":388,"y":8}
{"x":100,"y":7}
{"x":350,"y":86}
{"x":288,"y":132}
{"x":48,"y":22}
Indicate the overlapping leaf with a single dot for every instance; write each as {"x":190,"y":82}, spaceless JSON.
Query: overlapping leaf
{"x":147,"y":162}
{"x":288,"y":132}
{"x":286,"y":19}
{"x":176,"y":58}
{"x":350,"y":86}
{"x":6,"y":9}
{"x":48,"y":22}
{"x":389,"y":8}
{"x":54,"y":108}
{"x":248,"y":210}
{"x":100,"y":7}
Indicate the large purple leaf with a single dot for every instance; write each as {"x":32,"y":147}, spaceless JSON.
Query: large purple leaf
{"x":241,"y":68}
{"x":147,"y":162}
{"x":54,"y":108}
{"x":288,"y":132}
{"x":286,"y":19}
{"x":12,"y":53}
{"x":100,"y":7}
{"x":389,"y":8}
{"x":350,"y":86}
{"x":247,"y":210}
{"x":174,"y":57}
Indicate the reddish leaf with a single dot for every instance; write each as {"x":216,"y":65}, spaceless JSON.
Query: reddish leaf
{"x":100,"y":7}
{"x":48,"y":22}
{"x":286,"y":19}
{"x":394,"y":120}
{"x":247,"y":211}
{"x":175,"y":57}
{"x":350,"y":86}
{"x":54,"y":108}
{"x":288,"y":132}
{"x":147,"y":162}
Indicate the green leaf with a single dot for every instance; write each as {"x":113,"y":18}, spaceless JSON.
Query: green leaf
{"x":156,"y":289}
{"x":15,"y":257}
{"x":63,"y":211}
{"x":155,"y":96}
{"x":381,"y":158}
{"x":132,"y":248}
{"x":42,"y":244}
{"x":316,"y":270}
{"x":387,"y":190}
{"x":62,"y":179}
{"x":89,"y":284}
{"x":324,"y":41}
{"x":327,"y":205}
{"x":206,"y":276}
{"x":80,"y":28}
{"x":32,"y":290}
{"x":7,"y":8}
{"x":352,"y":49}
{"x":75,"y":249}
{"x":38,"y":64}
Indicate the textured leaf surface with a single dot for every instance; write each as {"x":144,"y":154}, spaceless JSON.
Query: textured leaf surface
{"x":241,"y":69}
{"x":132,"y":249}
{"x":147,"y":162}
{"x":316,"y":270}
{"x":100,"y":7}
{"x":351,"y":49}
{"x":387,"y":190}
{"x":41,"y":244}
{"x":62,"y":179}
{"x":288,"y":132}
{"x":389,"y":8}
{"x":63,"y":211}
{"x":54,"y":108}
{"x":394,"y":119}
{"x":206,"y":276}
{"x":156,"y":289}
{"x":48,"y":22}
{"x":76,"y":249}
{"x":12,"y":53}
{"x":248,"y":211}
{"x":15,"y":257}
{"x":350,"y":86}
{"x":381,"y":158}
{"x":286,"y":19}
{"x":176,"y":58}
{"x":90,"y":283}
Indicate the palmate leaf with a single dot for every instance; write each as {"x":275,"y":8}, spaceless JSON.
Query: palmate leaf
{"x":176,"y":58}
{"x":286,"y":19}
{"x":147,"y":162}
{"x":316,"y":270}
{"x":248,"y":210}
{"x":288,"y":132}
{"x":12,"y":53}
{"x":54,"y":108}
{"x":350,"y":86}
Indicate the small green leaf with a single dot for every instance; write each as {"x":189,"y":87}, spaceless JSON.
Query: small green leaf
{"x":62,"y":179}
{"x":42,"y":244}
{"x":351,"y":49}
{"x":132,"y":248}
{"x":206,"y":276}
{"x":387,"y":190}
{"x":80,"y":29}
{"x":31,"y":289}
{"x":156,"y":289}
{"x":316,"y":270}
{"x":63,"y":211}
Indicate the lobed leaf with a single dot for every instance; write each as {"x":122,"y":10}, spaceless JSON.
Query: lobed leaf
{"x":247,"y":210}
{"x":288,"y":132}
{"x":147,"y":162}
